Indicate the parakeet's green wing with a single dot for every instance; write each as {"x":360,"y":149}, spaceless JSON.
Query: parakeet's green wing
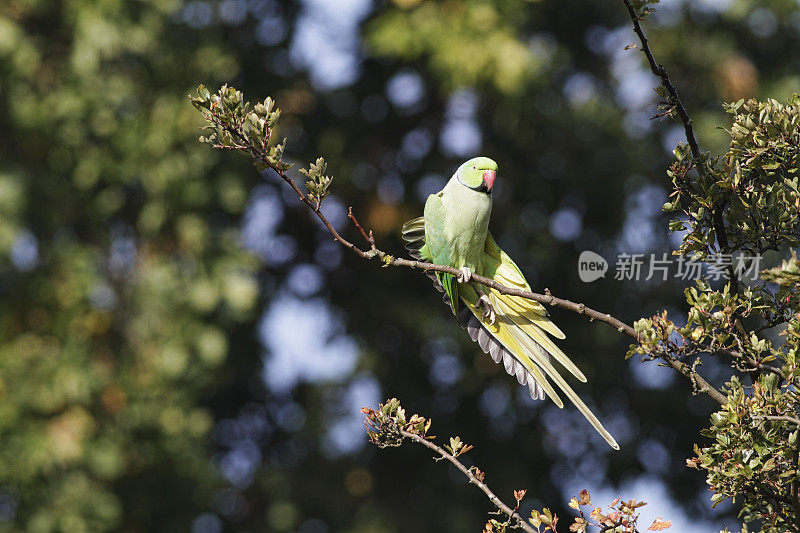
{"x":435,"y":249}
{"x":414,"y":234}
{"x":450,"y":285}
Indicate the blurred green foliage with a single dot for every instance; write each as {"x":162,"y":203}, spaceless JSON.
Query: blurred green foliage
{"x":127,"y":319}
{"x":114,"y":334}
{"x":467,"y":43}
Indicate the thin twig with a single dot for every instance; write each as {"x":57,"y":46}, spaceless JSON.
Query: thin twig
{"x":508,"y":511}
{"x":700,"y":384}
{"x":369,"y":238}
{"x":722,"y":239}
{"x":794,"y":489}
{"x":661,"y":72}
{"x":779,"y":418}
{"x":719,"y":207}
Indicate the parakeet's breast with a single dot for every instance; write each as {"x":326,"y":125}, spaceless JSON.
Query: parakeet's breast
{"x":467,"y":215}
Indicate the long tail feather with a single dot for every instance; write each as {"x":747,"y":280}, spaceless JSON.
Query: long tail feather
{"x":535,"y":357}
{"x":533,"y":331}
{"x":536,"y":382}
{"x":552,"y":373}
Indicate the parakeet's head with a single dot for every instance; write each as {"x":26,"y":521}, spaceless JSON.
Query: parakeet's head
{"x":478,"y":174}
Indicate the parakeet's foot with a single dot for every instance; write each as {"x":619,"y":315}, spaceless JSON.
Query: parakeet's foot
{"x":465,"y":276}
{"x":488,"y":310}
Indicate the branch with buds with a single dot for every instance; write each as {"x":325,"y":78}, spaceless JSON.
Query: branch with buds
{"x":389,"y":426}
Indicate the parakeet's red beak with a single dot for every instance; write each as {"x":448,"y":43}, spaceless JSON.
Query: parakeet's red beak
{"x":488,"y":179}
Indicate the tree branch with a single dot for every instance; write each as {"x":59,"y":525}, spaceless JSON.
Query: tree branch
{"x":699,"y":382}
{"x":779,"y":418}
{"x":508,"y":511}
{"x":719,"y":225}
{"x":677,"y":103}
{"x":388,"y":426}
{"x":390,"y":260}
{"x":237,"y":138}
{"x":794,"y":487}
{"x":661,"y":72}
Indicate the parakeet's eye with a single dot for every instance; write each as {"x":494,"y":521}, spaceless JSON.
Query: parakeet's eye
{"x":474,"y":168}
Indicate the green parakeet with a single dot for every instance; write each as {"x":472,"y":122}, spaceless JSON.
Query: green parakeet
{"x":512,"y":330}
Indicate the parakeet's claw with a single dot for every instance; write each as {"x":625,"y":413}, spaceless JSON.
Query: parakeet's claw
{"x":465,"y":276}
{"x":488,"y":310}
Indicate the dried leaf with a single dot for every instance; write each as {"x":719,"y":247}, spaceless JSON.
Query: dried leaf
{"x":659,"y":525}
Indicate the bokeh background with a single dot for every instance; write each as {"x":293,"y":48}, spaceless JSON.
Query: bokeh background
{"x":182,"y":348}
